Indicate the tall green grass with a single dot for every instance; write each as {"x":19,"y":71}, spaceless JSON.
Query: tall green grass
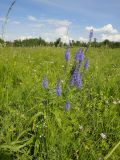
{"x":31,"y":129}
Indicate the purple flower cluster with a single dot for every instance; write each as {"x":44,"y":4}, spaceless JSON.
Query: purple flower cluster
{"x":79,"y":56}
{"x":58,"y":88}
{"x":67,"y":55}
{"x":45,"y":83}
{"x":76,"y":79}
{"x":91,"y":34}
{"x":67,"y":106}
{"x":75,"y":74}
{"x":79,"y":81}
{"x":86,"y":63}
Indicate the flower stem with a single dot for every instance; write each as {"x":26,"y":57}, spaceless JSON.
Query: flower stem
{"x":110,"y":153}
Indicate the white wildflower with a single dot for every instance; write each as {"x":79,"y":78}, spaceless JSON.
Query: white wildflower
{"x":34,"y":70}
{"x":106,"y":102}
{"x":103,"y":135}
{"x":80,"y":127}
{"x":114,"y":102}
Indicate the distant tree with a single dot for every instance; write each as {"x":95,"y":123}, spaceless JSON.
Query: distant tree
{"x":77,"y":43}
{"x":1,"y":41}
{"x":106,"y":43}
{"x":38,"y":42}
{"x":95,"y":42}
{"x":57,"y":42}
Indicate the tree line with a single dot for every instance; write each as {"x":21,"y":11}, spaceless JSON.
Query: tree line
{"x":37,"y":42}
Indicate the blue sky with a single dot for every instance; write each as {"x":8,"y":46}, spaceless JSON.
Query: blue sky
{"x":50,"y":19}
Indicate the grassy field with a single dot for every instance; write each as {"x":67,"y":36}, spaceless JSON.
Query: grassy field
{"x":33,"y":122}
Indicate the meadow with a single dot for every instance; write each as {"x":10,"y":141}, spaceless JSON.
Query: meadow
{"x":34,"y":124}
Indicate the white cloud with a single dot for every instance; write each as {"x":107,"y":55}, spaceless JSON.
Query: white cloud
{"x":105,"y":29}
{"x":53,"y":22}
{"x":2,"y":19}
{"x":16,"y":22}
{"x":36,"y":22}
{"x":108,"y":32}
{"x":65,"y":39}
{"x":25,"y":37}
{"x":58,"y":22}
{"x":38,"y":25}
{"x":47,"y":39}
{"x":82,"y":39}
{"x":111,"y":37}
{"x":32,"y":18}
{"x":61,"y":31}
